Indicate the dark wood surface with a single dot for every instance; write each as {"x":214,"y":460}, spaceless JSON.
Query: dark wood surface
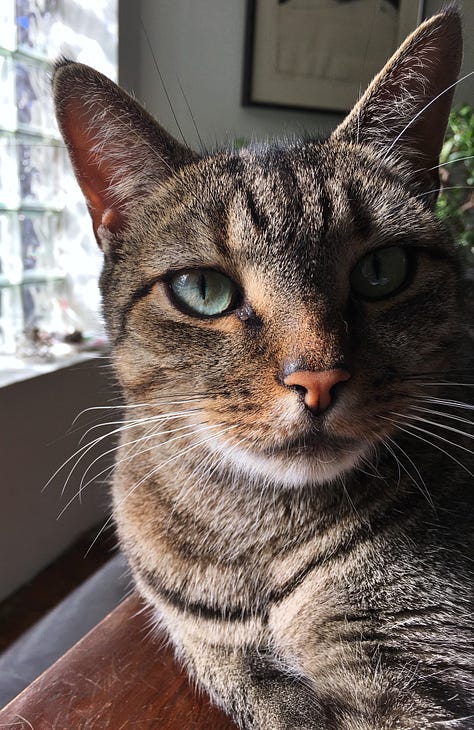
{"x":117,"y":677}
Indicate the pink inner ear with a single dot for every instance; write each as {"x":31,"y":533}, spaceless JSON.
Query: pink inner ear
{"x":112,"y":219}
{"x":93,"y":172}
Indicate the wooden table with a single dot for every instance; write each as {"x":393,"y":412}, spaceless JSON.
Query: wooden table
{"x":117,"y":677}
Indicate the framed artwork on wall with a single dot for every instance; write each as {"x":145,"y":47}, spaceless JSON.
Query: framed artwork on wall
{"x":320,"y":54}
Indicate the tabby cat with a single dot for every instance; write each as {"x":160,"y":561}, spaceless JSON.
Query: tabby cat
{"x":292,"y":488}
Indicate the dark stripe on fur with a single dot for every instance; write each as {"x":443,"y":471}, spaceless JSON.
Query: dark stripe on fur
{"x":137,"y":295}
{"x":326,"y":210}
{"x":411,"y":500}
{"x":196,"y":608}
{"x":259,"y":219}
{"x":360,"y":216}
{"x":293,"y":192}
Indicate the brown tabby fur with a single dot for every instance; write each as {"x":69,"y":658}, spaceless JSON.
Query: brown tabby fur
{"x":313,"y":571}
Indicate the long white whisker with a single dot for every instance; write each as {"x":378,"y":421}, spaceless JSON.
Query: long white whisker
{"x":83,"y":486}
{"x":441,"y":438}
{"x":397,"y":460}
{"x":445,"y":164}
{"x":145,"y":438}
{"x":446,"y":402}
{"x":442,"y":382}
{"x":437,"y":424}
{"x":451,"y":723}
{"x":441,"y":189}
{"x":427,"y":441}
{"x":423,"y":489}
{"x":124,"y":426}
{"x":126,"y":406}
{"x":83,"y":449}
{"x":148,"y":475}
{"x":145,"y":419}
{"x":451,"y":416}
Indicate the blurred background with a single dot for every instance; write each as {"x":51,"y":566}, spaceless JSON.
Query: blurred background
{"x":210,"y":71}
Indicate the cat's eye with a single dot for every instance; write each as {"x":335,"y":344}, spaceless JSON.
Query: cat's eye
{"x":204,"y":292}
{"x":380,"y":273}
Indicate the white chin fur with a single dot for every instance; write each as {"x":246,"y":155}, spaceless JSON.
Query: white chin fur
{"x":289,"y":471}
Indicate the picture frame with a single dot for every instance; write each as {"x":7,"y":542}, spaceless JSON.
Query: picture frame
{"x":320,"y":54}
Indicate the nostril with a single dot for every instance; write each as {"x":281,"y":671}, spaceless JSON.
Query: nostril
{"x":334,"y":390}
{"x":299,"y":389}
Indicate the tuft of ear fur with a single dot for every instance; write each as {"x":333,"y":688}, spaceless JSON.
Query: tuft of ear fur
{"x":118,"y":151}
{"x":405,"y":110}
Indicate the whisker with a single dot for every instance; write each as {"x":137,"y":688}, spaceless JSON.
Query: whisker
{"x":446,"y":402}
{"x":443,"y":414}
{"x":451,"y":723}
{"x":160,"y":76}
{"x":426,"y":106}
{"x":124,"y":426}
{"x":127,"y":406}
{"x":397,"y":460}
{"x":149,"y":435}
{"x":441,"y":438}
{"x":190,"y":112}
{"x":424,"y":488}
{"x":147,"y":419}
{"x":437,"y":425}
{"x":148,"y":475}
{"x":445,"y":164}
{"x":441,"y":189}
{"x":442,"y":382}
{"x":83,"y":486}
{"x":427,"y":441}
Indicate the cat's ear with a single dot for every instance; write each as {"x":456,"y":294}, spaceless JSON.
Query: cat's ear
{"x":405,"y":110}
{"x":118,"y":151}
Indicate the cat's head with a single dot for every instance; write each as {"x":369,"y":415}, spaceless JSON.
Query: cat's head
{"x":296,"y":292}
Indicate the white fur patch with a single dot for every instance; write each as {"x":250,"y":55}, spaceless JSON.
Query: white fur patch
{"x":295,"y":470}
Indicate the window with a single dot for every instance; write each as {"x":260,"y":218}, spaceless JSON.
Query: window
{"x":49,"y":260}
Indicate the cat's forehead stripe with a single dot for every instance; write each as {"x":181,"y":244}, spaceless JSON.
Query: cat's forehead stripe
{"x":361,"y":217}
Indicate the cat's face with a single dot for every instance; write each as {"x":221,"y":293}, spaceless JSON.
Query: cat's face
{"x":332,"y":261}
{"x":288,"y":227}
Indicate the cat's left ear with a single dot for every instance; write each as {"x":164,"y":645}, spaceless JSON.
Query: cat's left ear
{"x":405,"y":110}
{"x":119,"y":152}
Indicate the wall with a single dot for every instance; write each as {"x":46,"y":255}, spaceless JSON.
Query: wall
{"x":36,"y":437}
{"x":201,"y":43}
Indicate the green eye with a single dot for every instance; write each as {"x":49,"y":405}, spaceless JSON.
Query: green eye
{"x":204,"y":292}
{"x":380,"y":273}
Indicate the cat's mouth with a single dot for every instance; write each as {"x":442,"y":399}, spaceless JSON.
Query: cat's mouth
{"x":313,"y":445}
{"x":308,"y":458}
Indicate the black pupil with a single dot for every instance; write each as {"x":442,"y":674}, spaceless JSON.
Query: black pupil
{"x":376,"y":265}
{"x":203,"y":286}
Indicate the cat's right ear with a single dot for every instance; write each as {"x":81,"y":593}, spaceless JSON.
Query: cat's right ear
{"x":118,"y":151}
{"x":405,"y":110}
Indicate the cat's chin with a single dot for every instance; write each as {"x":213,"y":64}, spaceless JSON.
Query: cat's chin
{"x":296,"y":467}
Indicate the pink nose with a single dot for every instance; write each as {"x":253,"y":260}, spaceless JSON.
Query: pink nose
{"x":317,"y":386}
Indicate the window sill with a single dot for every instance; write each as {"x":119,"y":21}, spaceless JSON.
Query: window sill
{"x":15,"y":370}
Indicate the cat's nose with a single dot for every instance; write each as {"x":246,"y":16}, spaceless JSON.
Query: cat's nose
{"x":317,"y":386}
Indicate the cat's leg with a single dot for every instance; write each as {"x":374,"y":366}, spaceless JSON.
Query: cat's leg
{"x":261,"y":690}
{"x":257,"y":689}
